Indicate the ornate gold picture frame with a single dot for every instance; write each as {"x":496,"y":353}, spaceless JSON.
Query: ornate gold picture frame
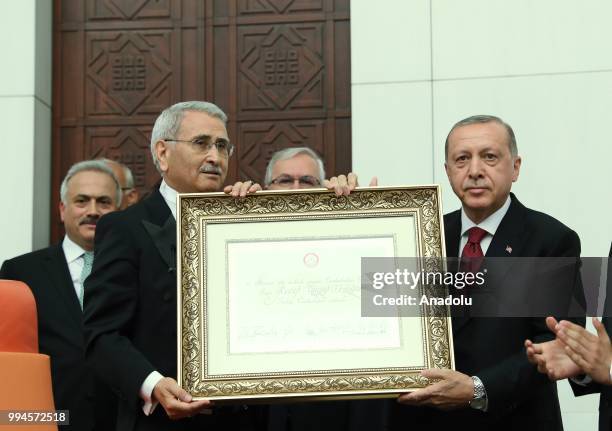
{"x":269,"y":293}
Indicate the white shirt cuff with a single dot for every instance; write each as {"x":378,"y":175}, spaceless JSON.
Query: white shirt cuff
{"x":146,"y":392}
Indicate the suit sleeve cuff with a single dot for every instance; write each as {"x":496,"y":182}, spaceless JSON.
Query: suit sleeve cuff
{"x":146,"y":392}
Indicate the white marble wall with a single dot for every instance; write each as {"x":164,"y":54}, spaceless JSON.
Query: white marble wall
{"x":544,"y":66}
{"x":25,"y":121}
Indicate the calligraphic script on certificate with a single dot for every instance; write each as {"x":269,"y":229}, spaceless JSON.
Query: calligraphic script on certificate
{"x":270,"y":294}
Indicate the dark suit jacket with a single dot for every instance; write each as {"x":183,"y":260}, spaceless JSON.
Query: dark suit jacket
{"x":130,"y":314}
{"x":605,"y":399}
{"x":60,"y":335}
{"x":357,"y":415}
{"x":492,"y":348}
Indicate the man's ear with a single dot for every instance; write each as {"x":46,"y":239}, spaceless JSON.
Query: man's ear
{"x":132,"y":196}
{"x":62,"y":209}
{"x":517,"y":168}
{"x":161,"y":150}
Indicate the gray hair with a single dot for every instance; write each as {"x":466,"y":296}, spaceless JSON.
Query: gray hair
{"x":289,"y":153}
{"x":482,"y":119}
{"x":89,"y":165}
{"x":169,"y":121}
{"x":127,"y":172}
{"x":129,"y":178}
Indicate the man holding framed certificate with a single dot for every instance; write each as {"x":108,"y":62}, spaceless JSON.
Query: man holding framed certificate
{"x":130,"y":302}
{"x":495,"y":386}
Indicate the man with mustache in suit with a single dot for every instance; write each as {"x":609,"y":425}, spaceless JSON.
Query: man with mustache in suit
{"x":55,"y":275}
{"x":130,"y":306}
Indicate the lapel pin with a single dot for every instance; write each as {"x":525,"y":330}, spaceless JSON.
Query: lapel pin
{"x":508,"y":249}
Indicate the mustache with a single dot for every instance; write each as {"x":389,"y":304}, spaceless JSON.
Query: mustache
{"x":211,"y":169}
{"x":90,"y":220}
{"x":472,"y":185}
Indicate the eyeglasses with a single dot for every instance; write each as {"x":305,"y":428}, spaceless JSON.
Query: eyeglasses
{"x":288,"y":181}
{"x":225,"y":148}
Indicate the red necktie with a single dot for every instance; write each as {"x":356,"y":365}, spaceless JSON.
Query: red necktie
{"x":471,"y":256}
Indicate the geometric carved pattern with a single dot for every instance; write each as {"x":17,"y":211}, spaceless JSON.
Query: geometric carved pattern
{"x":128,"y":72}
{"x":293,"y":80}
{"x":128,"y":145}
{"x":258,"y":141}
{"x":278,"y":64}
{"x":278,"y":7}
{"x":127,"y":10}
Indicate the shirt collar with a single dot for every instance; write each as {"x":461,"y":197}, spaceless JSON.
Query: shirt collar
{"x":169,"y":195}
{"x":72,"y":250}
{"x":490,"y":224}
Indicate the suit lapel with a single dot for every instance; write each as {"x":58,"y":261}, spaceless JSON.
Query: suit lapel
{"x":452,"y":235}
{"x":59,"y":277}
{"x":164,"y":238}
{"x":161,"y":227}
{"x":508,"y":241}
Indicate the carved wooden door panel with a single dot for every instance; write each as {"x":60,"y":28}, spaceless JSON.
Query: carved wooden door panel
{"x":279,"y":68}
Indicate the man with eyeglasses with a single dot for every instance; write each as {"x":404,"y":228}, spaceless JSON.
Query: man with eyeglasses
{"x":302,"y":168}
{"x":130,"y":313}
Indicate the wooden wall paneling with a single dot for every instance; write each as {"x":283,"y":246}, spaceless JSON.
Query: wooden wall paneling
{"x":286,"y":55}
{"x":279,"y":68}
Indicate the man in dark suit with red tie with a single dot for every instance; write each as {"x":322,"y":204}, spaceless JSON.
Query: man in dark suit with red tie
{"x":494,"y":386}
{"x":55,"y":275}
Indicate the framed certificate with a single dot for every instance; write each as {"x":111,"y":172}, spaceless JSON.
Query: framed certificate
{"x":270,"y":294}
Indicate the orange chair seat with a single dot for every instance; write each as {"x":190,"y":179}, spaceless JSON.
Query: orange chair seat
{"x":27,"y":378}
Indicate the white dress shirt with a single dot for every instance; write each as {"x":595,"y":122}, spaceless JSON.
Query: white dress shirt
{"x":490,"y":224}
{"x":74,"y":258}
{"x":169,"y":195}
{"x":146,"y":390}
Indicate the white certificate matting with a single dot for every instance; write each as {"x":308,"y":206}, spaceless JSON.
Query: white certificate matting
{"x":317,"y":280}
{"x":286,"y":292}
